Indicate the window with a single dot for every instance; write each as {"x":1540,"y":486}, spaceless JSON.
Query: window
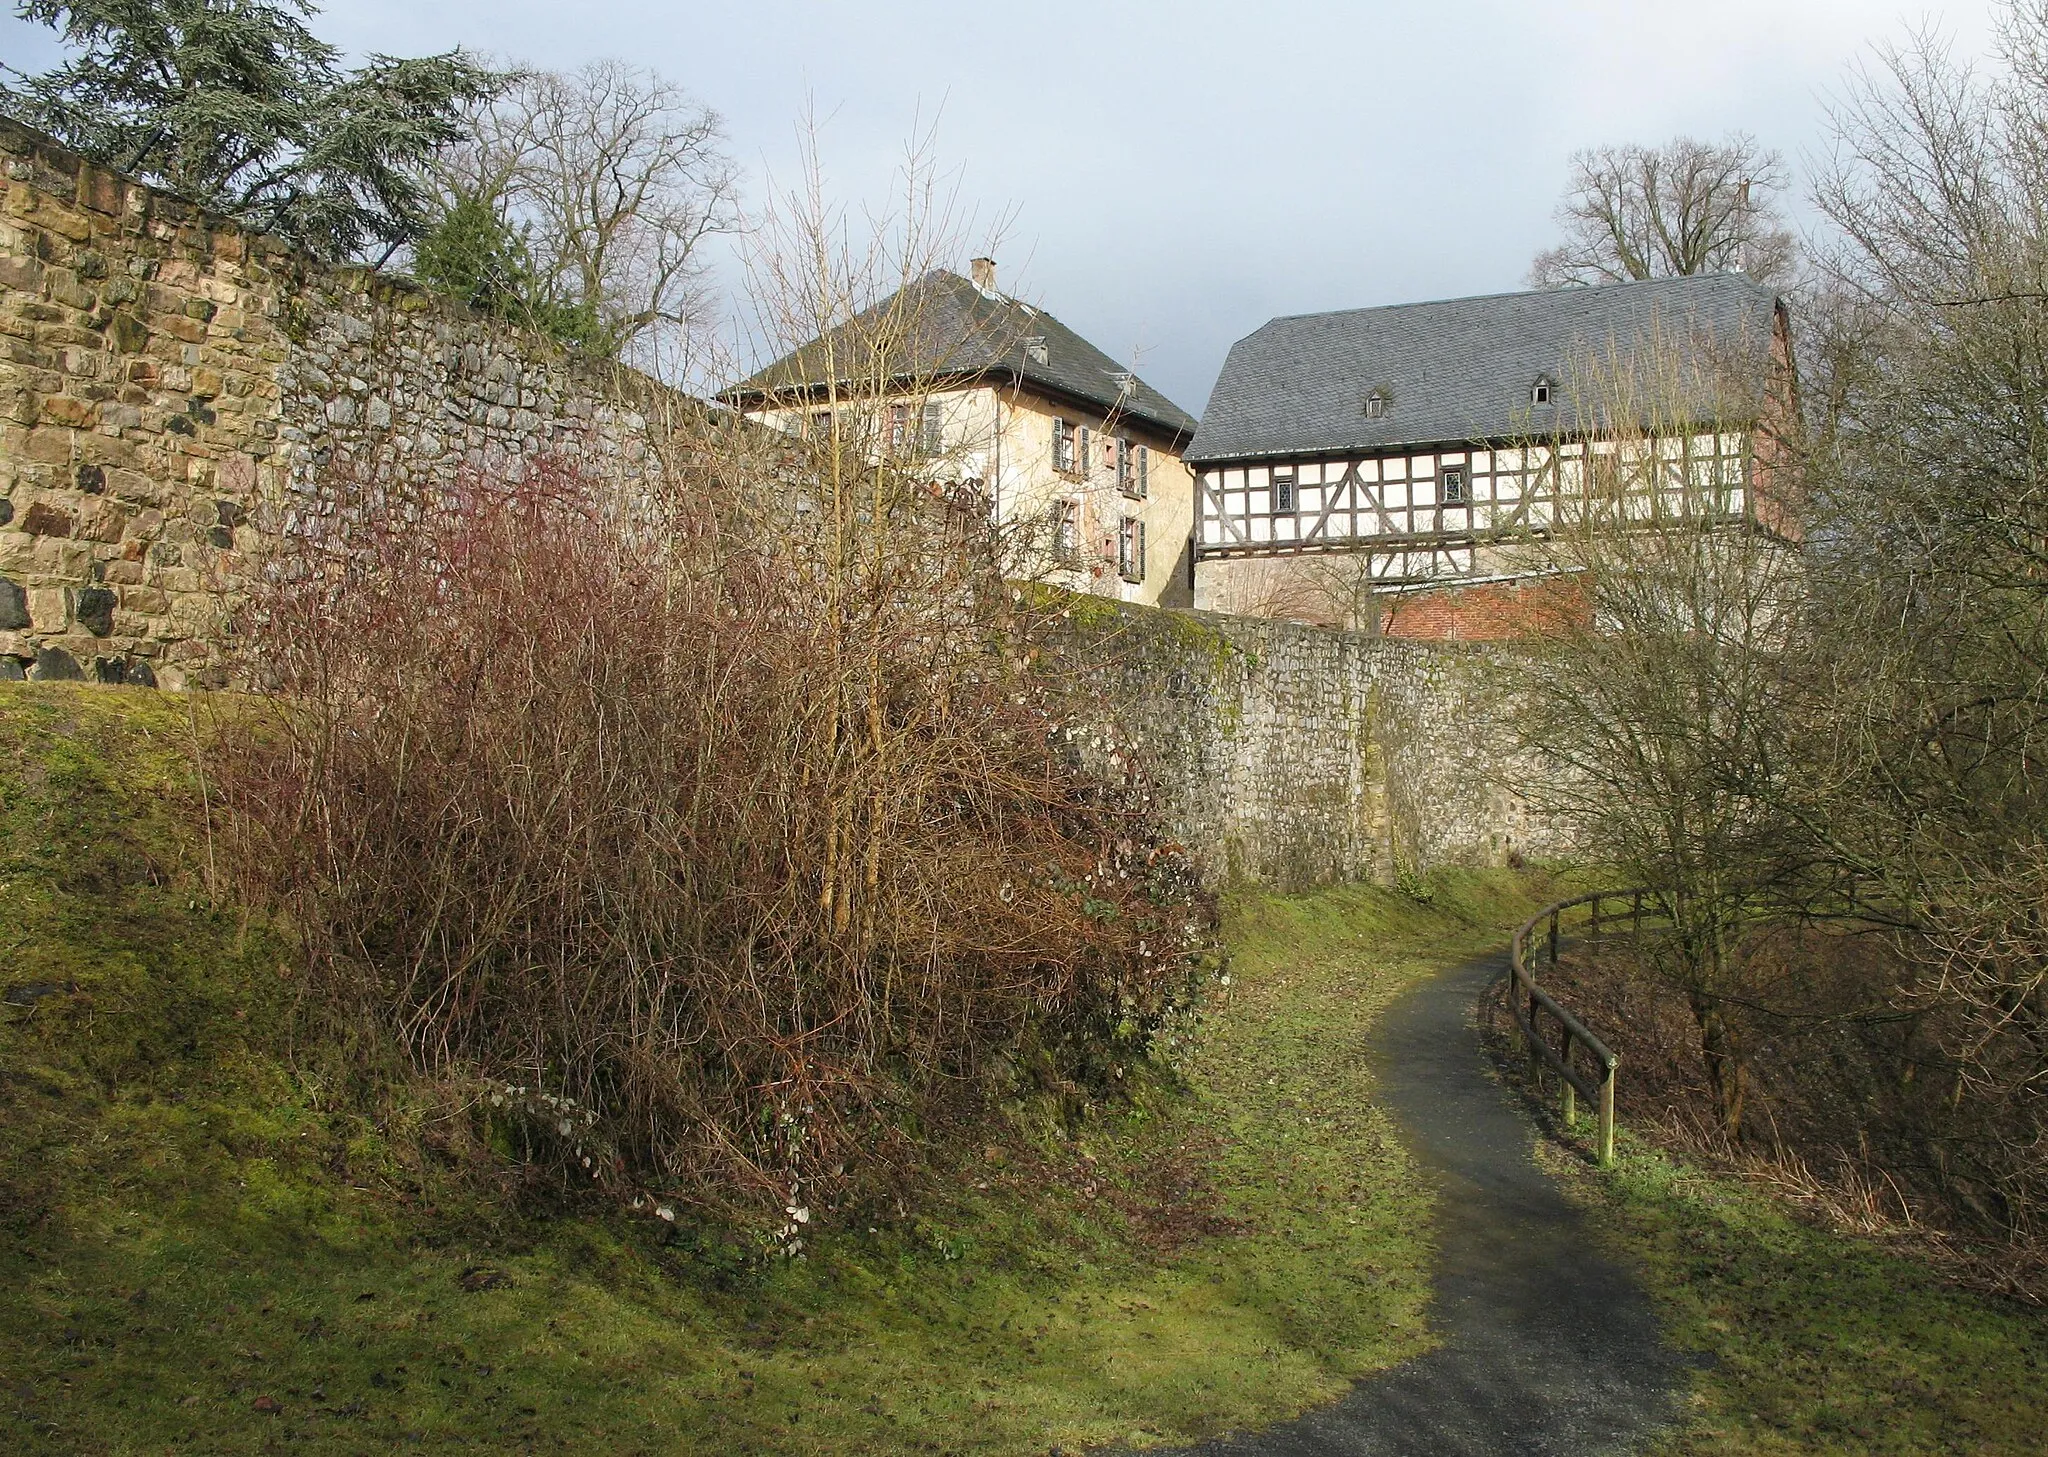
{"x":821,"y":424}
{"x":1375,"y":404}
{"x":1035,"y":350}
{"x":1283,"y":492}
{"x":1062,"y":446}
{"x":1130,"y":550}
{"x":899,"y":426}
{"x":1127,"y":468}
{"x":932,"y":432}
{"x":1539,"y":392}
{"x":1066,"y":529}
{"x":1453,"y":492}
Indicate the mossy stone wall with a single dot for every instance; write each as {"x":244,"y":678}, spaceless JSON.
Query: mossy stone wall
{"x":173,"y":392}
{"x":1290,"y":756}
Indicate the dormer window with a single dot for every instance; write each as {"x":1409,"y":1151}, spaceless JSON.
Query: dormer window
{"x":1375,"y":404}
{"x":1539,"y":392}
{"x":1035,"y":350}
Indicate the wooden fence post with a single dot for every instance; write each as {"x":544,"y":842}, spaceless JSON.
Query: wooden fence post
{"x":1607,"y":1113}
{"x":1553,"y":940}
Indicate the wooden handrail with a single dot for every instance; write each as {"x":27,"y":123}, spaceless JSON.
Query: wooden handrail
{"x":1571,"y":1031}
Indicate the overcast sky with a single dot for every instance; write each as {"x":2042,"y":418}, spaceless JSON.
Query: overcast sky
{"x":1177,"y":173}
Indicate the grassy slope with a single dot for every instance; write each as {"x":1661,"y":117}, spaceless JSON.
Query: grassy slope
{"x":209,"y":1240}
{"x":1815,"y":1342}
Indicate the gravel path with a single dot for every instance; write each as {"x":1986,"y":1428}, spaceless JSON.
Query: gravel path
{"x":1547,"y":1348}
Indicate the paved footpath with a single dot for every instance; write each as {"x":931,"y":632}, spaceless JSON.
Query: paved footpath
{"x":1547,"y":1348}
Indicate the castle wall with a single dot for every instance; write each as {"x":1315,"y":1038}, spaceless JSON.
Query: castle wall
{"x":175,"y":395}
{"x":173,"y":390}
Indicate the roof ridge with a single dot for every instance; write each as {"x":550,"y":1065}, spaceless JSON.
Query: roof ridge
{"x":1566,"y":290}
{"x":995,"y":328}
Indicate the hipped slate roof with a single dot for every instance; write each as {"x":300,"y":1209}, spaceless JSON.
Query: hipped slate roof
{"x":1462,"y":369}
{"x":961,"y":331}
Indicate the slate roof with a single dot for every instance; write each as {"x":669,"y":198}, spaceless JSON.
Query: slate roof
{"x":963,"y":331}
{"x":1462,"y":369}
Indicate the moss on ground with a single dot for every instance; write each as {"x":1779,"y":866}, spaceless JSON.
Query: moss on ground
{"x":1811,"y":1341}
{"x":222,"y":1229}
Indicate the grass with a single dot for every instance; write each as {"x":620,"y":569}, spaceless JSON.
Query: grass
{"x":1811,"y":1341}
{"x":227,"y":1224}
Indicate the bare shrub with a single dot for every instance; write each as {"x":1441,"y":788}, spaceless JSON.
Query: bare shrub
{"x":759,"y":855}
{"x":1852,"y":1118}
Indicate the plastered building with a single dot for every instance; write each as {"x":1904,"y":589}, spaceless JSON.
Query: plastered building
{"x":1078,"y":460}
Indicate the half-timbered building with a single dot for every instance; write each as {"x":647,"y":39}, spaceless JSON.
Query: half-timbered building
{"x":1077,"y":458}
{"x":1390,"y":468}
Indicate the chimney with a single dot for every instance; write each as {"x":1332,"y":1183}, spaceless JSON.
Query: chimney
{"x":984,"y":274}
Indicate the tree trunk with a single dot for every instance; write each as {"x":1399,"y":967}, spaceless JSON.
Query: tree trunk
{"x":1725,"y":1072}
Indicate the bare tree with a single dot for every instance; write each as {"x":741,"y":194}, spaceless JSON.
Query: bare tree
{"x":611,"y":178}
{"x":1927,"y":773}
{"x":1658,"y":690}
{"x":1687,"y":207}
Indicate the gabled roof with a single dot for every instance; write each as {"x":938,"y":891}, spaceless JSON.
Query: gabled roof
{"x":1463,"y":369}
{"x":955,"y":329}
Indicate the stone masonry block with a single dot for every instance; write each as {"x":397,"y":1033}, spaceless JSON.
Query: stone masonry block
{"x":22,"y":275}
{"x":50,"y":607}
{"x":43,"y":519}
{"x":65,"y":410}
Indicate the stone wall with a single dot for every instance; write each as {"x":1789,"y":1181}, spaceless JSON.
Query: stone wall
{"x":174,"y":391}
{"x":177,"y":396}
{"x":1291,"y":755}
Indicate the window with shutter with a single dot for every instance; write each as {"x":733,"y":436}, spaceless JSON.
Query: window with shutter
{"x":1126,"y":467}
{"x":1062,"y":446}
{"x":1067,"y":529}
{"x":1130,"y":553}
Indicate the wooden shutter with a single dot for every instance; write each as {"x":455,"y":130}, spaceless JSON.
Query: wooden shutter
{"x":934,"y":428}
{"x":1144,"y":462}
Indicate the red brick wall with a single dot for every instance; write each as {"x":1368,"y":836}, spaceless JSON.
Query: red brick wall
{"x":1776,"y":506}
{"x":1490,"y":612}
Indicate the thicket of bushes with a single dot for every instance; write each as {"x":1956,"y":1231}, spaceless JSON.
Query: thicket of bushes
{"x":733,"y":849}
